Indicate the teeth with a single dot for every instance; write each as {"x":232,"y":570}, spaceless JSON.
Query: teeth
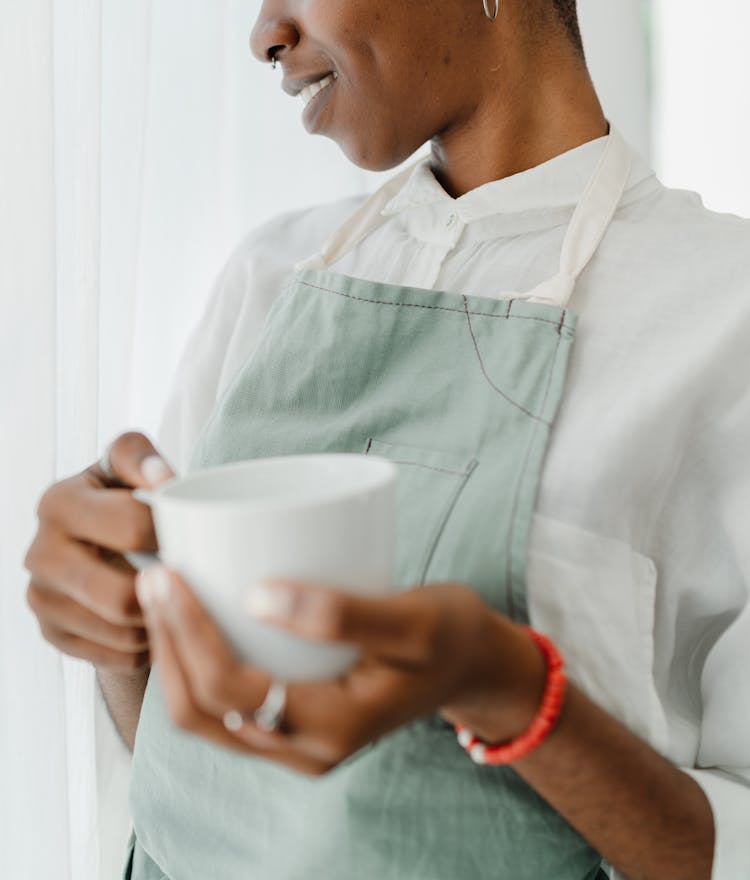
{"x":309,"y":92}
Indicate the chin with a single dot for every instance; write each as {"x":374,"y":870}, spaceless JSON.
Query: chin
{"x":370,"y":155}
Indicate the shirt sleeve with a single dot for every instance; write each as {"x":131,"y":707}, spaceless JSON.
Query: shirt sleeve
{"x":195,"y":381}
{"x":233,"y":319}
{"x":723,"y":764}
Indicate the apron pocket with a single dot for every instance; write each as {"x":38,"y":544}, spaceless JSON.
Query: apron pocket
{"x":428,"y":486}
{"x":595,"y":596}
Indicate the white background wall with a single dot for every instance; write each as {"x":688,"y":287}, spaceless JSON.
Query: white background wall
{"x":616,"y":39}
{"x":701,"y":115}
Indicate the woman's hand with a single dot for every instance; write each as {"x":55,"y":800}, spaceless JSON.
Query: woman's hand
{"x":434,"y":648}
{"x":82,"y":589}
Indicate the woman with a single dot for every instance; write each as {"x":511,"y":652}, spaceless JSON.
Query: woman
{"x":553,"y":347}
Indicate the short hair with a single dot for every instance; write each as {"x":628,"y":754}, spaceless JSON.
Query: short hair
{"x":568,"y":12}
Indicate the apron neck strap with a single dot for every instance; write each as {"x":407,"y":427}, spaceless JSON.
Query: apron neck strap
{"x":365,"y":220}
{"x":588,"y":226}
{"x":590,"y":222}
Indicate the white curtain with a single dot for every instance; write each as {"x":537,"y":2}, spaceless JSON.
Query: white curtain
{"x":34,"y":790}
{"x":140,"y":141}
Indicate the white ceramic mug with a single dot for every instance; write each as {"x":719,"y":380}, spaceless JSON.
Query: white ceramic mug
{"x":325,"y":519}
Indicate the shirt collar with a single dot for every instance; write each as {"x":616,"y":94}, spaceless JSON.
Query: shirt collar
{"x":557,"y":183}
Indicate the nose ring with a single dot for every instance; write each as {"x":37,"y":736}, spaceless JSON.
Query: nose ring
{"x":490,"y":15}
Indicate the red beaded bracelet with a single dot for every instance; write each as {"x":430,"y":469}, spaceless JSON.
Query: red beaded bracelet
{"x":540,"y":728}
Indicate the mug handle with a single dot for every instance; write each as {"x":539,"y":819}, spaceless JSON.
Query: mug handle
{"x":143,"y":560}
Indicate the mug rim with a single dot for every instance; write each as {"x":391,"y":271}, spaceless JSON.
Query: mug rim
{"x":383,"y":474}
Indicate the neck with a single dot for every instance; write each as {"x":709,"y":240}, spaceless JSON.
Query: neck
{"x":554,"y":109}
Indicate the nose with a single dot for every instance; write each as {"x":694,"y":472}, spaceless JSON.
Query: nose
{"x":274,"y":32}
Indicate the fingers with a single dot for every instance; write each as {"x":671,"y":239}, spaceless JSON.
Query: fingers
{"x":98,"y":654}
{"x":82,"y":590}
{"x":188,"y":715}
{"x":134,"y":461}
{"x":177,"y":694}
{"x":207,"y":679}
{"x":218,"y":680}
{"x":407,"y":628}
{"x":78,"y":571}
{"x":65,"y":615}
{"x":113,"y":519}
{"x":324,"y":722}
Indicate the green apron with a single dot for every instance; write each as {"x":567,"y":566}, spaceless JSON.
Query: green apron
{"x":462,"y":392}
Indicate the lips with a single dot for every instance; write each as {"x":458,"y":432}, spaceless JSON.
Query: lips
{"x":293,"y":86}
{"x":309,"y":92}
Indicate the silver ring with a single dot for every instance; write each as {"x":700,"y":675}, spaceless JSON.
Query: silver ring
{"x":267,"y":716}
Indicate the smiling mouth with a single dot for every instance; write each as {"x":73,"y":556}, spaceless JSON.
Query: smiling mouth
{"x":309,"y":92}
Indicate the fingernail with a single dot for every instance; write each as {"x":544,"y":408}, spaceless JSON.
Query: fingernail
{"x":266,"y":599}
{"x":152,"y":586}
{"x":155,"y":470}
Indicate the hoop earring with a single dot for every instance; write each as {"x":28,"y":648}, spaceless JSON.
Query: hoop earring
{"x":486,"y":4}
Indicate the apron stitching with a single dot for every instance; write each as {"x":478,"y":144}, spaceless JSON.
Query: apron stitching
{"x":469,"y":471}
{"x":518,"y":317}
{"x":514,"y":517}
{"x":385,"y":302}
{"x":491,"y":383}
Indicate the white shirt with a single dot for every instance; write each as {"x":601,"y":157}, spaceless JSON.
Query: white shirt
{"x":639,"y":560}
